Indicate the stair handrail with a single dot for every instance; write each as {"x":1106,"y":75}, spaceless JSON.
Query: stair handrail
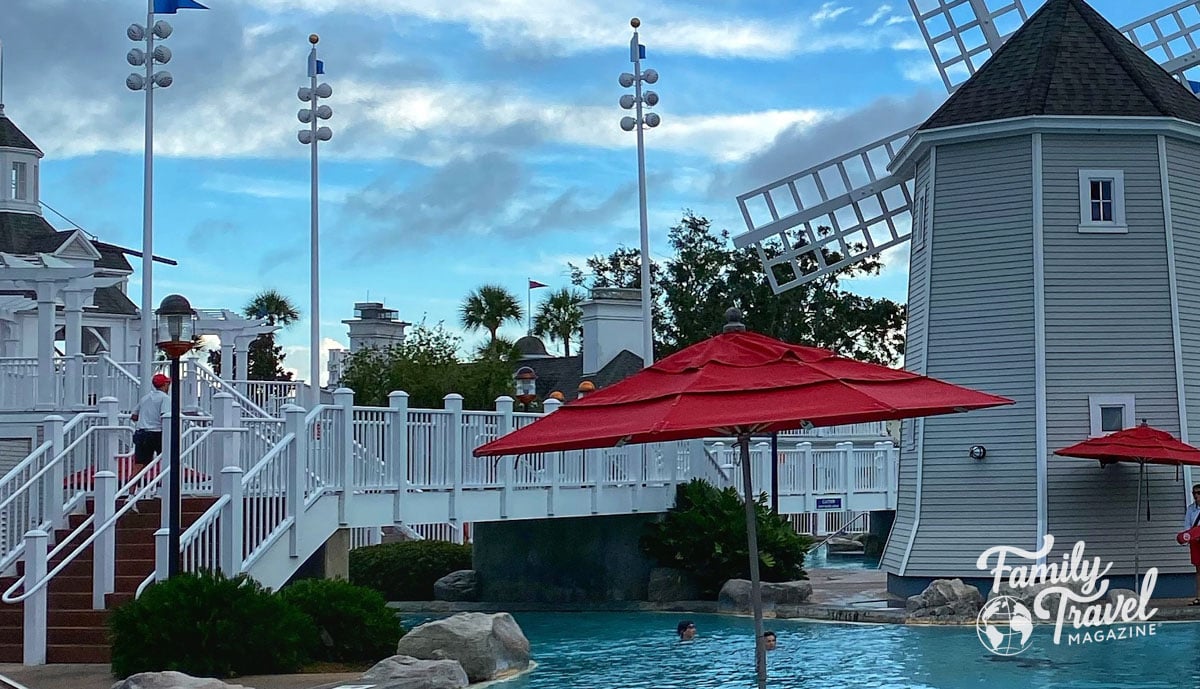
{"x":223,"y":386}
{"x":151,"y":484}
{"x":837,"y":533}
{"x":278,"y":530}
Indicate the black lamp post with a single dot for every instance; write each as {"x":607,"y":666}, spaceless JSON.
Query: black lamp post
{"x":176,"y":324}
{"x":526,"y":385}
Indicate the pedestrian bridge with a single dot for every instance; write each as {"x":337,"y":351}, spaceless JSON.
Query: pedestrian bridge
{"x":285,"y":482}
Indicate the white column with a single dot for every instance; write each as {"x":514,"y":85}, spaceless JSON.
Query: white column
{"x":36,"y":543}
{"x":73,"y":309}
{"x":227,"y":354}
{"x":453,"y":403}
{"x":232,"y":516}
{"x":104,"y":566}
{"x":242,"y":349}
{"x":45,"y":346}
{"x":343,"y":399}
{"x":397,"y":452}
{"x":504,"y":407}
{"x":293,"y":424}
{"x":10,"y":345}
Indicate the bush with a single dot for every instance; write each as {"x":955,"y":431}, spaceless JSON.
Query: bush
{"x":209,"y":626}
{"x":704,"y":534}
{"x":354,"y":622}
{"x":406,"y":571}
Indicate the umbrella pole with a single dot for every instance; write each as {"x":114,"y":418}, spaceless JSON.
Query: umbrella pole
{"x":760,"y":651}
{"x":1137,"y":529}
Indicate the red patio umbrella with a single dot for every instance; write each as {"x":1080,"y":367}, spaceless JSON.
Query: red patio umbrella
{"x":739,"y":383}
{"x":1141,"y":444}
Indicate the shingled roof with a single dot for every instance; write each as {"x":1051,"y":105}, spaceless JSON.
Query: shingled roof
{"x":11,"y":136}
{"x":26,"y":233}
{"x":1067,"y":60}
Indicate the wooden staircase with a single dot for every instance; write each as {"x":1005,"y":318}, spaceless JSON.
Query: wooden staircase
{"x":75,"y":632}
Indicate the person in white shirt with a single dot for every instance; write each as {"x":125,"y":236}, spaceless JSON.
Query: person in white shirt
{"x":147,"y":434}
{"x":1191,"y":519}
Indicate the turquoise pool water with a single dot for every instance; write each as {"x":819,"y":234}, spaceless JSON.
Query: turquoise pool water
{"x":821,"y":559}
{"x":640,"y":651}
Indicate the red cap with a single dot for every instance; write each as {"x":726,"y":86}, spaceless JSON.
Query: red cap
{"x":159,"y":380}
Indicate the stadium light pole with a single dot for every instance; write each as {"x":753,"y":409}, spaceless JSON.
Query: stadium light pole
{"x":311,"y":137}
{"x":638,"y":100}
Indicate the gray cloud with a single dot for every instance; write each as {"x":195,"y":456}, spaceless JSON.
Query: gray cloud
{"x":211,"y":234}
{"x":278,"y":258}
{"x":799,"y":148}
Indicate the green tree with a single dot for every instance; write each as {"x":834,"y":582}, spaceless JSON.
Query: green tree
{"x":705,"y":276}
{"x":489,"y":308}
{"x":560,"y":318}
{"x":622,"y":268}
{"x":426,"y":366}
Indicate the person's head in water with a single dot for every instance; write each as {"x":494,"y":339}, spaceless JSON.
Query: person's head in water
{"x":769,"y":640}
{"x":686,"y":630}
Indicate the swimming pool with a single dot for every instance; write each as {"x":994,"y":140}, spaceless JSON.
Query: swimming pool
{"x":821,"y":559}
{"x":639,"y":651}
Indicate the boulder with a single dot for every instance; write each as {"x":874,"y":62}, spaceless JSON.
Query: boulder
{"x":735,"y":594}
{"x":668,"y":585}
{"x":487,"y":646}
{"x":462,"y":585}
{"x":1115,"y":595}
{"x":171,"y":680}
{"x":406,"y":672}
{"x":946,"y":600}
{"x":842,"y":545}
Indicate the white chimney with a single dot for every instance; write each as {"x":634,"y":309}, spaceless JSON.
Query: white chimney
{"x":612,"y":321}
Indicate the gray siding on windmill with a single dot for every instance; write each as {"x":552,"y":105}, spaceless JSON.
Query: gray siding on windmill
{"x":914,"y":358}
{"x":1108,"y":331}
{"x":1183,"y":160}
{"x":981,"y":334}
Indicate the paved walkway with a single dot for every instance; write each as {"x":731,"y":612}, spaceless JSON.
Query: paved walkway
{"x":100,"y":677}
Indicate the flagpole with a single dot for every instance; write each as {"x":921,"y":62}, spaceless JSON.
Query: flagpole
{"x":528,"y":306}
{"x":147,"y":349}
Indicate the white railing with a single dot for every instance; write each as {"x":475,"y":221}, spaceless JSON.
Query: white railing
{"x":269,"y":395}
{"x":117,"y":381}
{"x":323,"y":465}
{"x":444,"y":531}
{"x":18,"y":382}
{"x":874,"y":429}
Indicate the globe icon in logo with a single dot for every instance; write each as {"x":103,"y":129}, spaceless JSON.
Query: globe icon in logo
{"x":1004,"y":626}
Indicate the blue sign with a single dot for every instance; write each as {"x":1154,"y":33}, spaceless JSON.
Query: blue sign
{"x":829,"y":503}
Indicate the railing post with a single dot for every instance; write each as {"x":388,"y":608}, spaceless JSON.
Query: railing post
{"x":110,"y":446}
{"x":162,"y":553}
{"x":592,"y":460}
{"x":889,"y":451}
{"x":761,"y":457}
{"x":45,"y":502}
{"x":846,"y":464}
{"x":397,"y":451}
{"x":453,"y":403}
{"x":807,"y":478}
{"x":223,"y":416}
{"x":164,"y":469}
{"x":73,"y":388}
{"x":104,"y":548}
{"x":343,"y":399}
{"x":232,"y":520}
{"x":698,"y":461}
{"x":553,"y":460}
{"x":293,"y":423}
{"x":504,"y":426}
{"x":36,"y":544}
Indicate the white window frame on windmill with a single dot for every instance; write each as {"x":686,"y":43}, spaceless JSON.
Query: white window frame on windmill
{"x":1098,"y":404}
{"x":1102,"y":202}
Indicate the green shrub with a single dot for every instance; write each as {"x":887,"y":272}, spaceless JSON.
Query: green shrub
{"x":209,"y":626}
{"x":354,"y":622}
{"x":705,"y":534}
{"x":406,"y":571}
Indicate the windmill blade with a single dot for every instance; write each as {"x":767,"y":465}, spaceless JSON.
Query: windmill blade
{"x":963,"y":34}
{"x":1171,"y":37}
{"x":827,"y":217}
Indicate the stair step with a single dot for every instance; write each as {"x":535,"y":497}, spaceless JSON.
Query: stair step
{"x":12,"y":616}
{"x":72,"y":600}
{"x":83,"y":582}
{"x":80,"y":636}
{"x":71,"y":653}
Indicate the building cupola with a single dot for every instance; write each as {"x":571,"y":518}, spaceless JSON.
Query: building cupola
{"x":19,"y":161}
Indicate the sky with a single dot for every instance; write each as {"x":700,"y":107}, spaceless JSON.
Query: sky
{"x":475,"y":141}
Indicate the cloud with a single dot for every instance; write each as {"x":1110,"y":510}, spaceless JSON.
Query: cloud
{"x":268,"y":188}
{"x":278,"y":258}
{"x":211,"y":234}
{"x":828,"y":12}
{"x":881,"y":13}
{"x":798,"y":148}
{"x":298,"y":360}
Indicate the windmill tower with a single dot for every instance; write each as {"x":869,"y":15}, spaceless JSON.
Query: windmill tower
{"x":1052,"y":212}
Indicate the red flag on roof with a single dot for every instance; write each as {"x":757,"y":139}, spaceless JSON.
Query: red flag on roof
{"x":534,"y":284}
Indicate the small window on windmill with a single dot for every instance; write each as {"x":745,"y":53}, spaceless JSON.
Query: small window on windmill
{"x":1102,"y":201}
{"x":1110,"y":413}
{"x":20,"y":181}
{"x":919,"y":223}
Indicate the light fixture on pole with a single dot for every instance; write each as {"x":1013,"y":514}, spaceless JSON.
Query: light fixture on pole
{"x":149,"y":57}
{"x":525,"y":380}
{"x":639,"y":99}
{"x":176,"y":328}
{"x":311,"y":137}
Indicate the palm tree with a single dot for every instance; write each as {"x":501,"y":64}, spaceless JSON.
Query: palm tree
{"x":273,"y":306}
{"x":490,"y":307}
{"x":560,"y":317}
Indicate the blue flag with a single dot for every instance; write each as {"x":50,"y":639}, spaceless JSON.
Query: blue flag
{"x":315,"y":66}
{"x":641,"y":51}
{"x":1195,"y":86}
{"x":172,"y":6}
